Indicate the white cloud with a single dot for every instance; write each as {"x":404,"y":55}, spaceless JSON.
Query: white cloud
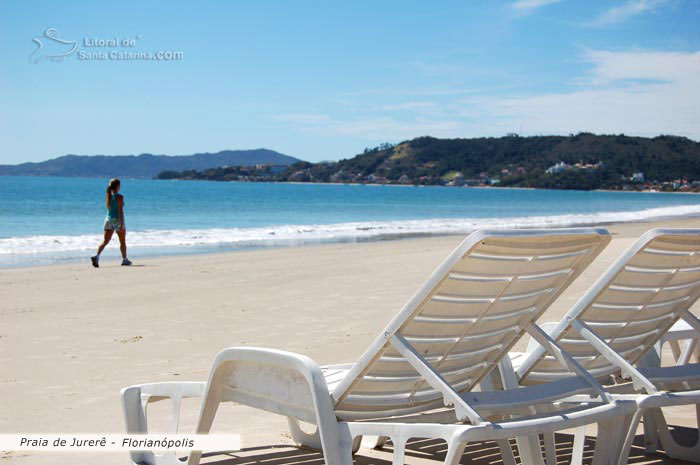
{"x":530,"y":5}
{"x":631,"y":8}
{"x":609,"y":67}
{"x":640,"y":92}
{"x":635,"y":92}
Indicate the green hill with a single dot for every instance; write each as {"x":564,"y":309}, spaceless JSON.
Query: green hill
{"x":603,"y":162}
{"x":582,"y":161}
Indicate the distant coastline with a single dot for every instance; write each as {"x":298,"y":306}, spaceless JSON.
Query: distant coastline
{"x":578,"y":162}
{"x":144,"y":166}
{"x":641,"y":191}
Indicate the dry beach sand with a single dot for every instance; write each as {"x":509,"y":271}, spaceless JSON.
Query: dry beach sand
{"x":72,"y":336}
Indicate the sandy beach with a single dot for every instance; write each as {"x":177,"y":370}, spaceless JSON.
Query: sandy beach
{"x":73,"y":336}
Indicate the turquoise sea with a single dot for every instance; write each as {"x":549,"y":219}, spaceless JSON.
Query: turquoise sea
{"x":49,"y":219}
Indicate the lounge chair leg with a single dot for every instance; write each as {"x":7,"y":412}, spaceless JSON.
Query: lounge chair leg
{"x":609,"y":444}
{"x":662,"y":434}
{"x":651,"y":432}
{"x":206,"y":418}
{"x":550,"y":449}
{"x":579,"y":444}
{"x":339,"y":451}
{"x":506,"y":452}
{"x":676,"y":349}
{"x":631,"y":432}
{"x":345,"y":455}
{"x":688,"y":350}
{"x":399,"y":443}
{"x":301,"y":438}
{"x":530,"y":450}
{"x":338,"y":446}
{"x":135,"y":419}
{"x":454,"y":452}
{"x":356,"y":443}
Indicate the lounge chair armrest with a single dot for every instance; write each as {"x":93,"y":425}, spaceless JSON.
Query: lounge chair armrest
{"x":273,"y":380}
{"x":276,"y":381}
{"x":135,"y":400}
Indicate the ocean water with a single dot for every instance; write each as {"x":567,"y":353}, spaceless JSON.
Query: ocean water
{"x":50,"y":219}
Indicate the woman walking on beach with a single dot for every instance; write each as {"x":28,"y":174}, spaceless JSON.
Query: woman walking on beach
{"x":113,"y":223}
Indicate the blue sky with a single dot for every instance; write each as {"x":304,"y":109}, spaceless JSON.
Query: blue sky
{"x":324,"y":80}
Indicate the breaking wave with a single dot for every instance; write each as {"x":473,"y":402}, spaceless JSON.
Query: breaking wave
{"x":280,"y":235}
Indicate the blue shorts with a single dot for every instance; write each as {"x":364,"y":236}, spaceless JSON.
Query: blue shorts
{"x":112,"y":224}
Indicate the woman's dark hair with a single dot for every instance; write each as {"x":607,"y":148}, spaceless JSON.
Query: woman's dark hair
{"x":111,"y":189}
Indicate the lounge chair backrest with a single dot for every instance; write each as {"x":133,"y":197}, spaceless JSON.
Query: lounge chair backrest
{"x":466,"y":316}
{"x":630,"y":307}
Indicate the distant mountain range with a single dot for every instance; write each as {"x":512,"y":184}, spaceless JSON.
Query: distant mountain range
{"x":144,"y":165}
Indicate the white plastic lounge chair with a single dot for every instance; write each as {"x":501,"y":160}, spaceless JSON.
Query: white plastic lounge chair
{"x":433,"y":354}
{"x":615,"y":325}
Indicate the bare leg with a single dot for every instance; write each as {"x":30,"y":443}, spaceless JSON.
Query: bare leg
{"x":121,"y":233}
{"x":105,"y":241}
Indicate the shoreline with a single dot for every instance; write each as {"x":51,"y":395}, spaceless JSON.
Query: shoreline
{"x":626,"y":229}
{"x":159,"y":252}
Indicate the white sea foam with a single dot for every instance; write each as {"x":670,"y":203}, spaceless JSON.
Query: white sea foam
{"x":293,"y":234}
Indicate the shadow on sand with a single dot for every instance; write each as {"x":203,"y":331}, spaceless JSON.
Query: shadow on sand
{"x":431,"y":450}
